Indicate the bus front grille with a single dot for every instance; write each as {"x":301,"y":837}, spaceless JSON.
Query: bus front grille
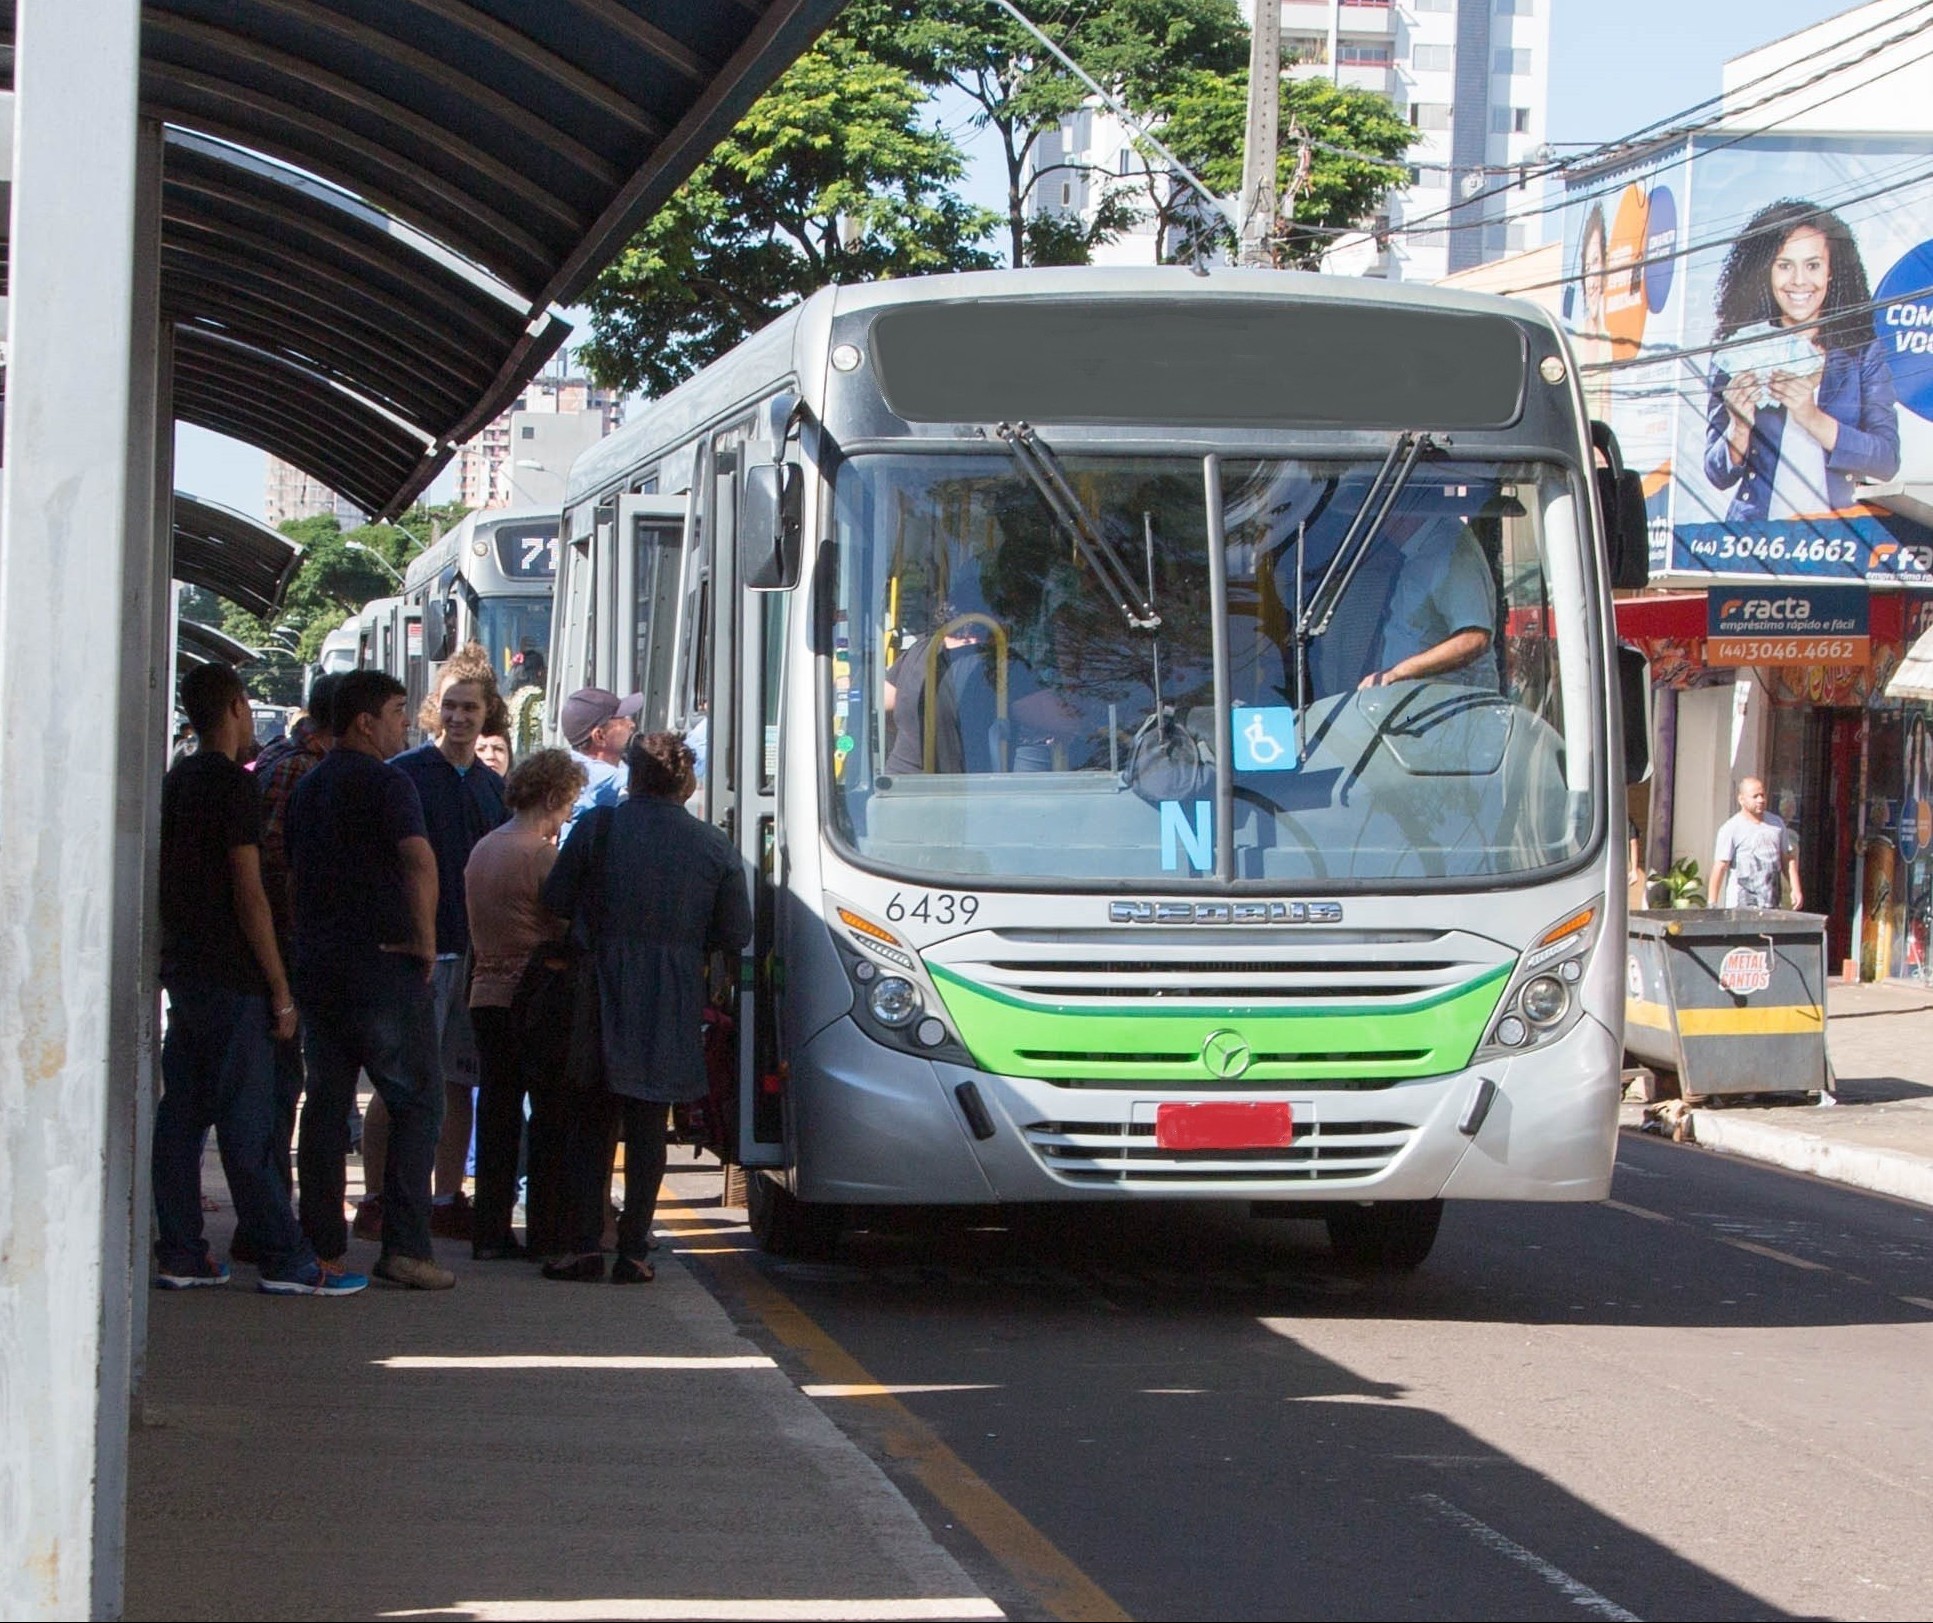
{"x":1125,"y":1152}
{"x":1165,"y":969}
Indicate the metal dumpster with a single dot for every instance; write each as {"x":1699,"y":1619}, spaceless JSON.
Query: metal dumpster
{"x":1732,"y":999}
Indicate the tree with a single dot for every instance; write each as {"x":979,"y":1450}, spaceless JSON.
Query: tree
{"x":1137,"y":49}
{"x":831,"y":176}
{"x":1203,"y":121}
{"x":333,"y":581}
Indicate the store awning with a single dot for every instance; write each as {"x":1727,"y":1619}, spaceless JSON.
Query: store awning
{"x":232,"y":555}
{"x":1676,"y":615}
{"x":1914,"y":678}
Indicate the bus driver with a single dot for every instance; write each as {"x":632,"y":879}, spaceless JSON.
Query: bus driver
{"x":1442,"y":614}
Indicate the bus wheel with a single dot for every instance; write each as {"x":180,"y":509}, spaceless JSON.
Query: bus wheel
{"x":1386,"y":1233}
{"x":786,"y":1226}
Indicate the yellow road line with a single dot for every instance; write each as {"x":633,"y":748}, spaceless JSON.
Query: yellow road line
{"x":1026,"y":1552}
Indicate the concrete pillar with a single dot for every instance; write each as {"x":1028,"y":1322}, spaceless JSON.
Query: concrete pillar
{"x":64,"y":510}
{"x":145,"y":706}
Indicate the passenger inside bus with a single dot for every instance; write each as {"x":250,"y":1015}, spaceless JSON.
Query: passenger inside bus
{"x":990,"y":713}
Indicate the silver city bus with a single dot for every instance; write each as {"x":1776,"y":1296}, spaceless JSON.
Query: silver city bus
{"x":488,"y":581}
{"x":1174,"y":731}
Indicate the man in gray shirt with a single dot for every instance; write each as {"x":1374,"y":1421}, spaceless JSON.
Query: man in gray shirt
{"x":1752,"y":847}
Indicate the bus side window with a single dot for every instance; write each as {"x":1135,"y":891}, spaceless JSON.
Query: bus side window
{"x":656,"y":573}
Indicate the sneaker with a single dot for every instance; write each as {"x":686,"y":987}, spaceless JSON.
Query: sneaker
{"x":418,"y":1273}
{"x":317,"y":1279}
{"x":369,"y":1218}
{"x":453,"y":1219}
{"x":206,"y":1272}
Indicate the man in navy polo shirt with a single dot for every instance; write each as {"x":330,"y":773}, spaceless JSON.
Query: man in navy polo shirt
{"x":462,"y":801}
{"x":365,"y":947}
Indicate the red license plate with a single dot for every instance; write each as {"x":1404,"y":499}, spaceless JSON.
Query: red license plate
{"x":1224,"y":1125}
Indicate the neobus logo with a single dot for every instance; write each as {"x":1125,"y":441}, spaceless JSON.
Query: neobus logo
{"x":1224,"y":912}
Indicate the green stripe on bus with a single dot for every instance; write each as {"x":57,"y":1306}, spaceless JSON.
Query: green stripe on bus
{"x":1012,"y":1036}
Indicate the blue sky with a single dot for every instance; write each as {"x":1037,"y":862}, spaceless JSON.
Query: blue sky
{"x":1615,"y":65}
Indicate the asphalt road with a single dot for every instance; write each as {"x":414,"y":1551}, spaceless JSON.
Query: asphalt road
{"x":1709,"y":1399}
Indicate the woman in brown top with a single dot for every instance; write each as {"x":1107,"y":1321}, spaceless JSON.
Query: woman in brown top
{"x":507,"y":921}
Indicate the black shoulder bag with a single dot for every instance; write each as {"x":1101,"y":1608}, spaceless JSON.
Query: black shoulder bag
{"x":556,"y":1012}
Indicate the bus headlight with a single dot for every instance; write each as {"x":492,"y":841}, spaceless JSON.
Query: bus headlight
{"x":1539,"y":1004}
{"x":894,"y":1001}
{"x":1544,"y":1000}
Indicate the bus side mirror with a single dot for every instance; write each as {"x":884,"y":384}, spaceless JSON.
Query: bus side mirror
{"x":1634,"y":704}
{"x":1630,"y":534}
{"x":769,"y":526}
{"x":1620,"y":502}
{"x":440,"y":631}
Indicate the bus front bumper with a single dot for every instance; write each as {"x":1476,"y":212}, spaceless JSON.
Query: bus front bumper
{"x":872,"y":1126}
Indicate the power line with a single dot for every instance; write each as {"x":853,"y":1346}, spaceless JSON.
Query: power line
{"x":1589,"y":160}
{"x":1693,"y":351}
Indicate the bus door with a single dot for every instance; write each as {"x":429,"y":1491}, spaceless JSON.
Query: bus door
{"x":757,"y":661}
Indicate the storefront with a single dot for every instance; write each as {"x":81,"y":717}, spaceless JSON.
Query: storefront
{"x":1848,"y":766}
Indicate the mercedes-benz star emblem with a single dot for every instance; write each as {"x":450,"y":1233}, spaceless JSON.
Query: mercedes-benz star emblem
{"x":1226,"y":1054}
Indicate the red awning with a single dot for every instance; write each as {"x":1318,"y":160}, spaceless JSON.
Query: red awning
{"x":1663,"y":615}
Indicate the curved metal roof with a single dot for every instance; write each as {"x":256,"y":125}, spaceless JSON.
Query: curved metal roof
{"x":443,"y":173}
{"x":208,"y":645}
{"x":232,"y":555}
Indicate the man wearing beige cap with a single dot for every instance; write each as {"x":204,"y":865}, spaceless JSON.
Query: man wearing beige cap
{"x":599,"y":726}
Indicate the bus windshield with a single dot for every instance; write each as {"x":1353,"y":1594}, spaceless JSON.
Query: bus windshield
{"x":516,"y":632}
{"x":1012,"y":699}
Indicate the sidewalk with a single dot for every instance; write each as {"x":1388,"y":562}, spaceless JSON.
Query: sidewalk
{"x":1880,"y":1134}
{"x":512,"y":1448}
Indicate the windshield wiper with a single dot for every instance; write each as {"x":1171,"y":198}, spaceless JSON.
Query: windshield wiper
{"x":1312,"y":620}
{"x":1043,"y":472}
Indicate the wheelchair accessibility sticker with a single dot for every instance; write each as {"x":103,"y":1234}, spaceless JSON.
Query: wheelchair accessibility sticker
{"x":1265,"y":739}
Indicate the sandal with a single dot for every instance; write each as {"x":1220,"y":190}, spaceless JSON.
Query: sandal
{"x":629,"y":1271}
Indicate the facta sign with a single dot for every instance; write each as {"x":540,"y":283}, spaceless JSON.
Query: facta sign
{"x":1795,"y":625}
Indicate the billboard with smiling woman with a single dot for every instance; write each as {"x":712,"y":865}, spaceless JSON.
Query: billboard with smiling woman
{"x":1778,"y":388}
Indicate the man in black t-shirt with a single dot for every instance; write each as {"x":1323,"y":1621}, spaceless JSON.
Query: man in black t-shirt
{"x":227,"y":994}
{"x":364,"y":945}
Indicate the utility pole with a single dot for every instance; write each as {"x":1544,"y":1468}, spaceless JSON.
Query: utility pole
{"x":1258,"y":148}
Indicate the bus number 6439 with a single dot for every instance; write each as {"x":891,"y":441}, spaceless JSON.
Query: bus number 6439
{"x":935,"y":907}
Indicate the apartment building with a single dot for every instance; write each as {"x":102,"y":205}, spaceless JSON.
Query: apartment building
{"x":289,"y":493}
{"x":520,"y":455}
{"x":1472,"y":76}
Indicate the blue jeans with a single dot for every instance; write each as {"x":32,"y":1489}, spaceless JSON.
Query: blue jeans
{"x":378,"y":1019}
{"x":218,"y":1070}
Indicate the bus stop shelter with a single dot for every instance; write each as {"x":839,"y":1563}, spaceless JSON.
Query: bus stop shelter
{"x":340,"y":231}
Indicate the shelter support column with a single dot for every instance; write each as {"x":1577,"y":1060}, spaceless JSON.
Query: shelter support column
{"x":66,"y":1145}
